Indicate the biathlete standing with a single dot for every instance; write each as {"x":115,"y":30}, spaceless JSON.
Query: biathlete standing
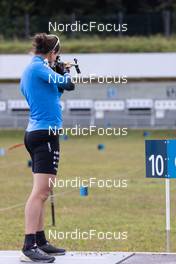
{"x":42,"y":87}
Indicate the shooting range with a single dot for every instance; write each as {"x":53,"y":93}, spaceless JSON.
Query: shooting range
{"x":113,"y":199}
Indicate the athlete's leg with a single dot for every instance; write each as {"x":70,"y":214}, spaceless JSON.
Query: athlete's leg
{"x":35,"y":203}
{"x":44,"y":151}
{"x":41,"y":219}
{"x":33,"y":210}
{"x":42,"y":213}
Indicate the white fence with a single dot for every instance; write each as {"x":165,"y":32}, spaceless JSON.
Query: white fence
{"x":137,"y":113}
{"x":98,"y":105}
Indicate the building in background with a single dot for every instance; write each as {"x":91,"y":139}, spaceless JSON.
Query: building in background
{"x":147,"y":100}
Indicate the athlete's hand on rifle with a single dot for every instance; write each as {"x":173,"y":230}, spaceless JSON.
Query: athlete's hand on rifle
{"x":63,"y":67}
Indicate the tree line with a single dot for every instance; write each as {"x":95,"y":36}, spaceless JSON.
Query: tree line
{"x":20,"y":18}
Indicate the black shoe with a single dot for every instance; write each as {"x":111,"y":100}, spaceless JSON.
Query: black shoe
{"x":36,"y":255}
{"x":51,"y":250}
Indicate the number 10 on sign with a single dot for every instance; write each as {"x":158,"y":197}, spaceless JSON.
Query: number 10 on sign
{"x":161,"y":163}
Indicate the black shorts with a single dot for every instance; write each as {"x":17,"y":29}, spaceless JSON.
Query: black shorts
{"x":44,"y":150}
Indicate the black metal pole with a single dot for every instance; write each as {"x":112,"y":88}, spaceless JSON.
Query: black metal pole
{"x":52,"y":208}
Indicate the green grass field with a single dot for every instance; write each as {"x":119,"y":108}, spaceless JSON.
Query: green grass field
{"x":138,"y":209}
{"x":91,"y":44}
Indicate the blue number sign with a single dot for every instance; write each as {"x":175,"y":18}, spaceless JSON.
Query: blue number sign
{"x":160,"y":158}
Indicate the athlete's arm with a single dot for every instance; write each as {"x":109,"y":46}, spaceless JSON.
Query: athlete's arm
{"x":69,"y":85}
{"x":47,"y":74}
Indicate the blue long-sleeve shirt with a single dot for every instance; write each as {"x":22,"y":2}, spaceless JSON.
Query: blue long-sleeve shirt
{"x":39,"y":85}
